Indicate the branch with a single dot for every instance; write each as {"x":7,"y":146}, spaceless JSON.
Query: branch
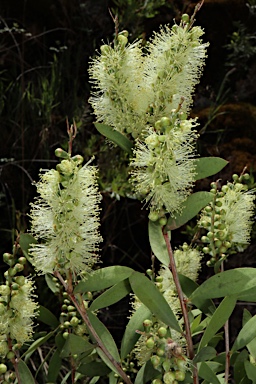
{"x":182,"y":300}
{"x":81,"y":309}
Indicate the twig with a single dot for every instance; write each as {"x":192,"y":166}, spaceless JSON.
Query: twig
{"x":182,"y":300}
{"x":227,"y":349}
{"x":81,"y":309}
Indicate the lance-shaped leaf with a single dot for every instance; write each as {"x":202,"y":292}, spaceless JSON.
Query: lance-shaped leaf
{"x":135,"y":324}
{"x":115,"y":136}
{"x":246,"y":335}
{"x":218,"y":319}
{"x":76,"y":345}
{"x":103,"y":278}
{"x":93,"y":369}
{"x":190,"y":209}
{"x":146,"y":373}
{"x":250,"y":370}
{"x":24,"y":373}
{"x":233,"y":281}
{"x":112,"y":295}
{"x":25,"y":240}
{"x":106,"y":338}
{"x":206,"y":372}
{"x":157,"y":242}
{"x":54,"y":367}
{"x":188,"y":286}
{"x":208,"y":166}
{"x":148,"y":294}
{"x":47,"y":317}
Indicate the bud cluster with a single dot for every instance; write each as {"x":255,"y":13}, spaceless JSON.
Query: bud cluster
{"x":227,"y":220}
{"x":70,"y":318}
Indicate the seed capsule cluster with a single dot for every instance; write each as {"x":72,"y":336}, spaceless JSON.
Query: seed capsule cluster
{"x":166,"y":355}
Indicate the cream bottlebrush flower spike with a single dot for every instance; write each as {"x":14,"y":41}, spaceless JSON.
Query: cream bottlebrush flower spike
{"x":116,"y":75}
{"x":173,"y":66}
{"x":65,"y":218}
{"x":163,"y":165}
{"x":229,"y":219}
{"x":17,"y":310}
{"x":133,"y":89}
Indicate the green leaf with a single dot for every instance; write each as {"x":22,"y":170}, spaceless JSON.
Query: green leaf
{"x":115,"y":136}
{"x":112,"y":295}
{"x":233,"y":282}
{"x":188,"y":286}
{"x":208,"y":166}
{"x":157,"y":243}
{"x":249,"y":295}
{"x":218,"y":319}
{"x":25,"y":374}
{"x":36,"y":344}
{"x":103,"y":278}
{"x":47,"y":317}
{"x":206,"y":373}
{"x":149,"y":295}
{"x":239,"y":368}
{"x":206,"y":353}
{"x":76,"y":345}
{"x":250,"y":370}
{"x":146,"y":373}
{"x":50,"y":283}
{"x":25,"y":240}
{"x":93,"y":369}
{"x":191,"y":207}
{"x":135,"y":323}
{"x":106,"y":338}
{"x":246,"y":334}
{"x":252,"y":345}
{"x":54,"y":367}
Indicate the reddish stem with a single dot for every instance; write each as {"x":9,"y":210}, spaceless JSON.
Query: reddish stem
{"x":183,"y":305}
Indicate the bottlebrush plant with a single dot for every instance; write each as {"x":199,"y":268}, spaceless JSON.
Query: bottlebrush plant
{"x":178,"y":331}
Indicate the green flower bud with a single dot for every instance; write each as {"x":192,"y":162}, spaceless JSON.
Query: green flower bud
{"x":153,"y":216}
{"x":147,"y":323}
{"x":155,"y":360}
{"x":169,"y":377}
{"x":162,"y":331}
{"x":206,"y":250}
{"x":163,"y":221}
{"x":166,"y":365}
{"x":180,"y":375}
{"x":10,"y":355}
{"x":157,"y":381}
{"x":105,"y":49}
{"x":65,"y":335}
{"x":19,"y":267}
{"x":185,"y":18}
{"x":61,"y":153}
{"x":78,"y":159}
{"x":20,"y":280}
{"x":70,"y":308}
{"x":3,"y":368}
{"x":2,"y":309}
{"x":165,"y":122}
{"x":66,"y":324}
{"x":235,"y":177}
{"x":74,"y":322}
{"x":150,"y":343}
{"x":122,"y":40}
